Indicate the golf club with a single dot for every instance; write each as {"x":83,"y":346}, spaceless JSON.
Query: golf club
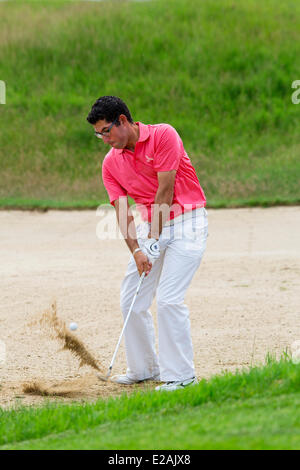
{"x":105,"y":377}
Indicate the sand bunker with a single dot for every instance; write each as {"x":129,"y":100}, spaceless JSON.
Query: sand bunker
{"x":243,"y":301}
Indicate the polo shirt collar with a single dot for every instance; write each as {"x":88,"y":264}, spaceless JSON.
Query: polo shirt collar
{"x":144,"y":135}
{"x":144,"y":132}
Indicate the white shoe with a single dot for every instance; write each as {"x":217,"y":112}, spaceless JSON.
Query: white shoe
{"x":125,"y":380}
{"x":176,"y":385}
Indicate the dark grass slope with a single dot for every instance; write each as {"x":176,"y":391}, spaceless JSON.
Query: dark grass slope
{"x":219,"y":71}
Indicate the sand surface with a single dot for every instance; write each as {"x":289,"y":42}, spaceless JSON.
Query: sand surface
{"x":244,"y":299}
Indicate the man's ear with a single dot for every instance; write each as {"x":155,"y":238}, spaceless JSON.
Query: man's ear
{"x":122,"y":119}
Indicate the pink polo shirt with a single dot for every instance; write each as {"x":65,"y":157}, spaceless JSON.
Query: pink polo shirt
{"x":134,"y":174}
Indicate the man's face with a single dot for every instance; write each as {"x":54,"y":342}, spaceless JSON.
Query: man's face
{"x":117,"y":136}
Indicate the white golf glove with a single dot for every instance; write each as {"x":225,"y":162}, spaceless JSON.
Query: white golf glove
{"x":151,"y":249}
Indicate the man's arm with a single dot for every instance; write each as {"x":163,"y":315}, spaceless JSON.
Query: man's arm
{"x":163,"y":200}
{"x":126,"y":222}
{"x":128,"y":230}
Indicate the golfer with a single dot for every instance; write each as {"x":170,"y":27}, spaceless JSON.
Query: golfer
{"x":148,"y":163}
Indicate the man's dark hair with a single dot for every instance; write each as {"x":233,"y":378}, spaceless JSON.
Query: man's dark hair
{"x":108,"y":108}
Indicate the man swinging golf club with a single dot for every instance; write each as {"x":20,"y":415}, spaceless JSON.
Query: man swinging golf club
{"x":149,"y":164}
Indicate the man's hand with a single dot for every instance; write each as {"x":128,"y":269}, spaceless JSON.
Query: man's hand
{"x":142,"y":263}
{"x":151,"y":249}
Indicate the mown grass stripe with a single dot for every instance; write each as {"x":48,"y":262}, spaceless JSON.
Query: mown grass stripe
{"x":44,"y":205}
{"x":252,"y":423}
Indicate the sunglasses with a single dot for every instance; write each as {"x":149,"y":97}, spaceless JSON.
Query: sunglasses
{"x":105,"y":133}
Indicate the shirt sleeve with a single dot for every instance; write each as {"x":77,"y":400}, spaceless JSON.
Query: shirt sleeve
{"x":169,"y":150}
{"x":112,"y":186}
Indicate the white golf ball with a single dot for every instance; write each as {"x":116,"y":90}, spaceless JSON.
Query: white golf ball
{"x":295,"y":345}
{"x":296,"y":357}
{"x":73,"y":326}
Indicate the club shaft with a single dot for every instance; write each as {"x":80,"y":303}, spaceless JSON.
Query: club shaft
{"x":126,"y":321}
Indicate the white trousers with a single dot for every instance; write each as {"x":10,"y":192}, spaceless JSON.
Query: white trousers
{"x":182,"y":247}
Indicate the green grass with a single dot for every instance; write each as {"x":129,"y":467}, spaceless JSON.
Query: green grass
{"x":45,"y":204}
{"x":256,"y":408}
{"x":219,"y":71}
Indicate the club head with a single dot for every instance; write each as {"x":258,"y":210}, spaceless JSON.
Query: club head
{"x":104,"y":378}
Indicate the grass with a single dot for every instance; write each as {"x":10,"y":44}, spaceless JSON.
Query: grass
{"x":45,"y":204}
{"x":256,"y":408}
{"x":219,"y":71}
